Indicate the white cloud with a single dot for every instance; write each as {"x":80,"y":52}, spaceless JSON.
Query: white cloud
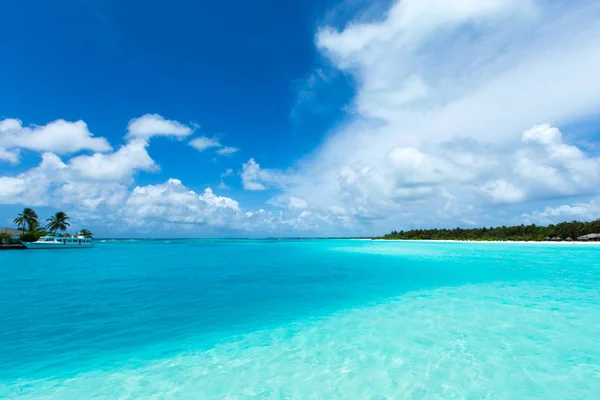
{"x":254,"y":178}
{"x":91,"y":196}
{"x":54,"y":183}
{"x":11,"y":189}
{"x":296,"y":203}
{"x":150,"y":125}
{"x":11,"y":156}
{"x":250,"y":176}
{"x":551,"y":167}
{"x":117,"y":166}
{"x":172,"y":202}
{"x":578,"y":211}
{"x":222,"y":185}
{"x":60,"y":136}
{"x":10,"y":125}
{"x":203,"y":143}
{"x":227,"y":150}
{"x":86,"y":182}
{"x":439,"y":131}
{"x":502,"y":191}
{"x":228,"y":172}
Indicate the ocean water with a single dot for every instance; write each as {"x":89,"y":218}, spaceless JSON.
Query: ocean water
{"x":300,"y":319}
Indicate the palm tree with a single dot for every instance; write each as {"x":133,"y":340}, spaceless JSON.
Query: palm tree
{"x":37,"y":228}
{"x":86,"y":233}
{"x":58,"y":222}
{"x":28,"y":218}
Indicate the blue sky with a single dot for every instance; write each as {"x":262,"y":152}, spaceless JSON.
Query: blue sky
{"x":300,"y":118}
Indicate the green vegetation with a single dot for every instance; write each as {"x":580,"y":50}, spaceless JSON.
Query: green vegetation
{"x":563,"y":231}
{"x":86,"y":233}
{"x":27,"y":219}
{"x":58,"y":222}
{"x":29,"y":224}
{"x":4,"y":238}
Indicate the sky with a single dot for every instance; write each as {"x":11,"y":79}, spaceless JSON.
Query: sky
{"x":311,"y":118}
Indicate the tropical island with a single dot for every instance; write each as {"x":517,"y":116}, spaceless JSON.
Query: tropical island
{"x":31,"y":230}
{"x":565,"y":231}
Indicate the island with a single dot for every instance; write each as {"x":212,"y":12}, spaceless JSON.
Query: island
{"x":565,"y":231}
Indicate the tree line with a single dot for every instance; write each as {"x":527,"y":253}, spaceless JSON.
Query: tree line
{"x":562,"y":231}
{"x":28,"y":222}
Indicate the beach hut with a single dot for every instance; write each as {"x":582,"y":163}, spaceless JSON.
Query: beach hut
{"x":594,"y":237}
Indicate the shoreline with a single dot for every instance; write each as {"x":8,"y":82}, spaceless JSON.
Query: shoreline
{"x":488,"y":241}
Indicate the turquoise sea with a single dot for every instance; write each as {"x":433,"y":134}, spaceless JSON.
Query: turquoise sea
{"x":300,"y":319}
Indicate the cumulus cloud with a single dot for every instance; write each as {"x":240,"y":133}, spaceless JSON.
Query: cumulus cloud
{"x":117,"y":166}
{"x":443,"y":128}
{"x":87,"y":182}
{"x":53,"y":183}
{"x":172,"y":202}
{"x":11,"y":156}
{"x":254,"y":178}
{"x":502,"y":191}
{"x":150,"y":125}
{"x":60,"y":137}
{"x":577,"y":211}
{"x":11,"y":189}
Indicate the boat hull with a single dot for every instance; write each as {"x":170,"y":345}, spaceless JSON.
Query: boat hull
{"x":56,"y":246}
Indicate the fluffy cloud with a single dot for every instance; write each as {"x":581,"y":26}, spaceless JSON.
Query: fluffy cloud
{"x":11,"y":189}
{"x":11,"y":156}
{"x":502,"y":191}
{"x":117,"y":166}
{"x":567,"y":212}
{"x":172,"y":202}
{"x":440,"y":129}
{"x":297,"y":204}
{"x":54,"y":183}
{"x":203,"y":143}
{"x":60,"y":137}
{"x":150,"y":125}
{"x":87,"y":182}
{"x":256,"y":179}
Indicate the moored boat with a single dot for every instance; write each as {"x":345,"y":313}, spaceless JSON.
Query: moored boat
{"x":57,"y":242}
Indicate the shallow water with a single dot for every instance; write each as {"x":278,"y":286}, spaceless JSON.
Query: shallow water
{"x":187,"y":319}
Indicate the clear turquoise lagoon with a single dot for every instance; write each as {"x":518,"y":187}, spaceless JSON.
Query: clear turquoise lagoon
{"x":300,"y":319}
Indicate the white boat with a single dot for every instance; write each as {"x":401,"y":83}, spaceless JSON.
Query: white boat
{"x":57,"y":242}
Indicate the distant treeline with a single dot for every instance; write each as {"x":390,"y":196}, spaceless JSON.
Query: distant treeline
{"x":564,"y":230}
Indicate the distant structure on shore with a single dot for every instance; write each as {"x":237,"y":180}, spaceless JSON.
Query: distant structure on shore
{"x":31,"y":230}
{"x":592,"y":237}
{"x":10,"y":231}
{"x":562,"y":232}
